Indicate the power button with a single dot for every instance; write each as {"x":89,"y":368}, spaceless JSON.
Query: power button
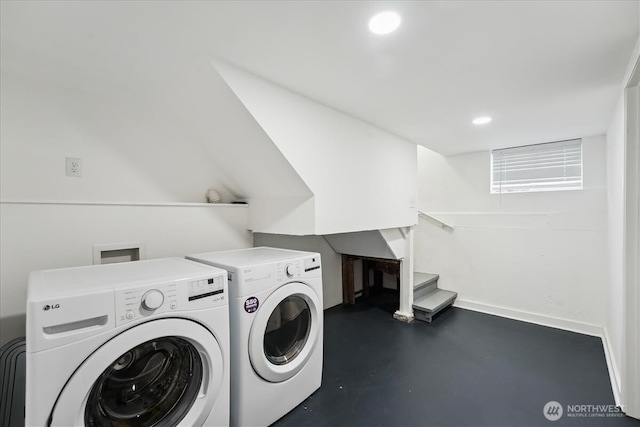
{"x":130,"y":315}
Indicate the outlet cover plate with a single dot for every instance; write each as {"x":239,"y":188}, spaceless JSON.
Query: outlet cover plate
{"x":74,"y":167}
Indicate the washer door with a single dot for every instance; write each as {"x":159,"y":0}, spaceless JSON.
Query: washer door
{"x":285,"y":332}
{"x":164,"y":372}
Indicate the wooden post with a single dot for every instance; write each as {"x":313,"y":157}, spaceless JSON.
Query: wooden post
{"x":348,"y":295}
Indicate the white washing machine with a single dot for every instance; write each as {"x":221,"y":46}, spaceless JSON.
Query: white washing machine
{"x":276,"y":330}
{"x":138,"y":343}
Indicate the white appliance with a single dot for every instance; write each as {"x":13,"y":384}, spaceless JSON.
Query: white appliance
{"x":136,"y":343}
{"x":275,"y":304}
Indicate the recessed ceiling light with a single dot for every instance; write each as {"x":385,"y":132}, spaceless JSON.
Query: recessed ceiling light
{"x":384,"y":22}
{"x":482,"y":120}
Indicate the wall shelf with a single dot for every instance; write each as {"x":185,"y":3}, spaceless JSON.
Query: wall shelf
{"x":144,"y":204}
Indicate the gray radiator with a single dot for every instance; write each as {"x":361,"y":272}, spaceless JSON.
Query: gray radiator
{"x":13,"y":367}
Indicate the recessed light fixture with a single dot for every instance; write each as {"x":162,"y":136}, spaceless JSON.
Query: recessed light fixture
{"x":384,"y":23}
{"x":482,"y":120}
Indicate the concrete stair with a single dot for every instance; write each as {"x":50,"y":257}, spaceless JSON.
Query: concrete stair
{"x":428,"y":299}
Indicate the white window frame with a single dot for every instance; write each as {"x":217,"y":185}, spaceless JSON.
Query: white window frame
{"x":531,"y":162}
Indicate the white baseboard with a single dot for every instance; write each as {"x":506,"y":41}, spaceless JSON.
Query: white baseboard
{"x":612,"y":366}
{"x":538,"y":319}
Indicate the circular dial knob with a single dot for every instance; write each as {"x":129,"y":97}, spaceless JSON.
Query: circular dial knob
{"x":290,"y":270}
{"x":152,"y":300}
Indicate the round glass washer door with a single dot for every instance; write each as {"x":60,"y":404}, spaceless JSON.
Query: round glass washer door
{"x":285,"y":332}
{"x":161,"y":373}
{"x":154,"y":383}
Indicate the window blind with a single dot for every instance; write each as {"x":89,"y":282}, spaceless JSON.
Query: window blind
{"x":541,"y":167}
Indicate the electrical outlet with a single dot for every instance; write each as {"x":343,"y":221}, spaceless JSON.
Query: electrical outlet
{"x":74,"y":167}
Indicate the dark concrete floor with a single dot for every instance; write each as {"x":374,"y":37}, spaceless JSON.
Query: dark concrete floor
{"x":463,"y":369}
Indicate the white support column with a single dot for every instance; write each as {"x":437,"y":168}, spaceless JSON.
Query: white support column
{"x":405,"y":312}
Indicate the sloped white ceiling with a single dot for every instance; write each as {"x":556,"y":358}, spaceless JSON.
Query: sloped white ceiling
{"x":545,"y":70}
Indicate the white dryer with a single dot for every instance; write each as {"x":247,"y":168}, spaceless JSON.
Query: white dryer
{"x":276,"y":330}
{"x":138,"y":343}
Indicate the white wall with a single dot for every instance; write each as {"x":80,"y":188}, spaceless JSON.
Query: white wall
{"x":295,"y":215}
{"x":133,"y":150}
{"x":362,"y":243}
{"x":169,"y":144}
{"x":331,"y":261}
{"x":390,"y":243}
{"x":535,"y":256}
{"x":616,"y":169}
{"x":129,"y":151}
{"x":362,"y":178}
{"x":41,"y":236}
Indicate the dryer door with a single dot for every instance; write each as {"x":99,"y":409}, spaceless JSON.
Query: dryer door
{"x":285,"y":332}
{"x":164,"y":372}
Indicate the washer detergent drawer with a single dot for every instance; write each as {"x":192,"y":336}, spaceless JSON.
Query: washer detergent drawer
{"x":63,"y":320}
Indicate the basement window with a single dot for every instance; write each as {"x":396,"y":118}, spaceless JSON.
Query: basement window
{"x":551,"y":166}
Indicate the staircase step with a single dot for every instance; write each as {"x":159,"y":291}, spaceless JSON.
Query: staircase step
{"x":424,"y":283}
{"x":423,"y":279}
{"x":426,"y":306}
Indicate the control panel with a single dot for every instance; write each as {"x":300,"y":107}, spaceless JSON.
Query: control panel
{"x":271,"y":273}
{"x":137,"y":302}
{"x":298,"y":268}
{"x":312,"y":264}
{"x":206,"y":288}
